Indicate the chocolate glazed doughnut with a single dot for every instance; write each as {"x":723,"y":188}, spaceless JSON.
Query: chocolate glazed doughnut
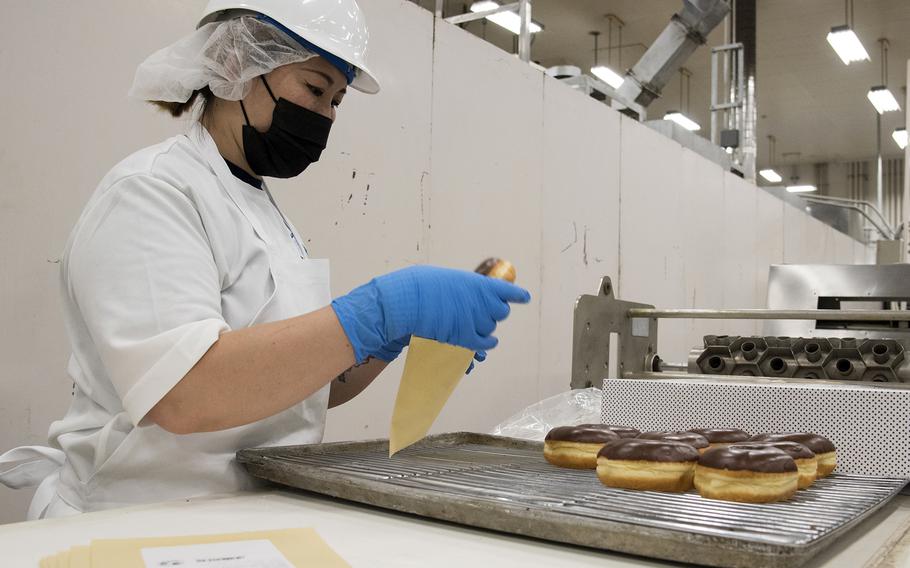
{"x":824,"y":448}
{"x":746,"y":475}
{"x":722,"y":436}
{"x":656,"y":465}
{"x":622,"y":431}
{"x":577,"y":446}
{"x":697,"y":441}
{"x":805,"y":459}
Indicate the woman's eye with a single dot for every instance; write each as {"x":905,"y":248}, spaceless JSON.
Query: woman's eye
{"x":316,"y":91}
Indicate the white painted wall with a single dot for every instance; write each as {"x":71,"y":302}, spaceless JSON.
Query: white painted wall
{"x":466,"y":153}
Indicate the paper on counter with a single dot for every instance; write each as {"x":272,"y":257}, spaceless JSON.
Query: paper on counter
{"x":295,"y":548}
{"x":239,"y":554}
{"x":432,"y":370}
{"x":59,"y":560}
{"x":80,"y":557}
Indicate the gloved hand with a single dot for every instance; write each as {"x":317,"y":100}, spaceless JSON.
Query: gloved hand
{"x":391,"y":350}
{"x":452,"y":306}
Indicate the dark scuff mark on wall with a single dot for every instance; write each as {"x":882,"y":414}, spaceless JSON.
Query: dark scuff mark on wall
{"x":584,"y":246}
{"x":574,"y":238}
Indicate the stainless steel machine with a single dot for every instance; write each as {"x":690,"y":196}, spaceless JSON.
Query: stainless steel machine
{"x":833,"y":361}
{"x":839,"y":349}
{"x":824,"y":323}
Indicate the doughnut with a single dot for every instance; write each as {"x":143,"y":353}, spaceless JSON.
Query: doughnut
{"x":823,"y":447}
{"x":722,"y":436}
{"x":747,"y":475}
{"x":622,"y":431}
{"x":497,"y":268}
{"x":576,"y":446}
{"x":655,"y":465}
{"x":697,"y":441}
{"x":805,"y":459}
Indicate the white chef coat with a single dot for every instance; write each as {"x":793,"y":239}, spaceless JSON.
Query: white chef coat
{"x":171,"y":251}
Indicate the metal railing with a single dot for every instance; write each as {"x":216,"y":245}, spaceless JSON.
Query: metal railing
{"x":524,"y":14}
{"x":864,"y":208}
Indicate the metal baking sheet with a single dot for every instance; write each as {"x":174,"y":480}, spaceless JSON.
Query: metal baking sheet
{"x":504,"y":484}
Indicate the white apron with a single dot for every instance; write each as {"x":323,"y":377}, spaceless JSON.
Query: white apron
{"x":151,"y":464}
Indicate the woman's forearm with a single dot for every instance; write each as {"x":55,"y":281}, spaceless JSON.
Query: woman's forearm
{"x":352,"y":382}
{"x":253,"y":373}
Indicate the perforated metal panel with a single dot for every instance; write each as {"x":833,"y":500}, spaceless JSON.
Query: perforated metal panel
{"x":869,"y":426}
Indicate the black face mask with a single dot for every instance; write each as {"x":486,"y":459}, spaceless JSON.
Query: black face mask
{"x":295,"y":139}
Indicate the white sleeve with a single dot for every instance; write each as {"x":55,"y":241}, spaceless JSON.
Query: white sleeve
{"x":143,"y":277}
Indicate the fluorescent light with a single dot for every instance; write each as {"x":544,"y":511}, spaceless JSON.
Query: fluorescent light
{"x":770,"y":176}
{"x":682,"y":120}
{"x":509,"y":20}
{"x":900,"y":136}
{"x":801,"y":188}
{"x":847,"y":45}
{"x":882,"y":99}
{"x":608,"y":76}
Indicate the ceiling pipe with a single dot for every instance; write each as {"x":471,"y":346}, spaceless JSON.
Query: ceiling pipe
{"x":744,"y":28}
{"x":686,"y":31}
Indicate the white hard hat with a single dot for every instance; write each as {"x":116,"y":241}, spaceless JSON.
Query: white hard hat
{"x":335,"y":26}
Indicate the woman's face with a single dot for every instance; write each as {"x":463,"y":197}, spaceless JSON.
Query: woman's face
{"x":315,"y":84}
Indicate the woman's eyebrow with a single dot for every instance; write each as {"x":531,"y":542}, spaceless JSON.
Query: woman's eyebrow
{"x":327,"y":78}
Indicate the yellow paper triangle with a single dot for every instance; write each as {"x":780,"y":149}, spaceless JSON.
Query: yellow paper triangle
{"x":431,"y":372}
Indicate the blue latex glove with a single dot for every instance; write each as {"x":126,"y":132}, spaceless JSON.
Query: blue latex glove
{"x":391,"y":350}
{"x":452,"y":306}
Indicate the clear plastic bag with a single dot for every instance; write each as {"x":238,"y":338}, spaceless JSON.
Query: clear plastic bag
{"x":581,"y":406}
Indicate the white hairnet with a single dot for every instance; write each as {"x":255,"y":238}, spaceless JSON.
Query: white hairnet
{"x":226,"y":56}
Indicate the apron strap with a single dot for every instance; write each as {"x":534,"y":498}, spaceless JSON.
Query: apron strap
{"x":43,"y":497}
{"x":28,"y":466}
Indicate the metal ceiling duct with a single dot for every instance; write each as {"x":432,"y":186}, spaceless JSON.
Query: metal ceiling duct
{"x":744,"y":26}
{"x":686,"y":31}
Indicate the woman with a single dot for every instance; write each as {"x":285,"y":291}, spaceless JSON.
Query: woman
{"x":199,"y":323}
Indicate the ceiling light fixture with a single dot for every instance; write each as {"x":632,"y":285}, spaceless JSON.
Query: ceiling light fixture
{"x":882,"y":99}
{"x":795,"y":185}
{"x":845,"y":41}
{"x":770,"y":175}
{"x":682,"y":120}
{"x":608,"y":76}
{"x":847,"y":45}
{"x":508,"y":20}
{"x":881,"y":96}
{"x":680,"y":116}
{"x":900,"y":137}
{"x":801,"y":188}
{"x":604,"y":72}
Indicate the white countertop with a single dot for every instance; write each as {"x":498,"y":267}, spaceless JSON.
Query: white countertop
{"x":370,"y":537}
